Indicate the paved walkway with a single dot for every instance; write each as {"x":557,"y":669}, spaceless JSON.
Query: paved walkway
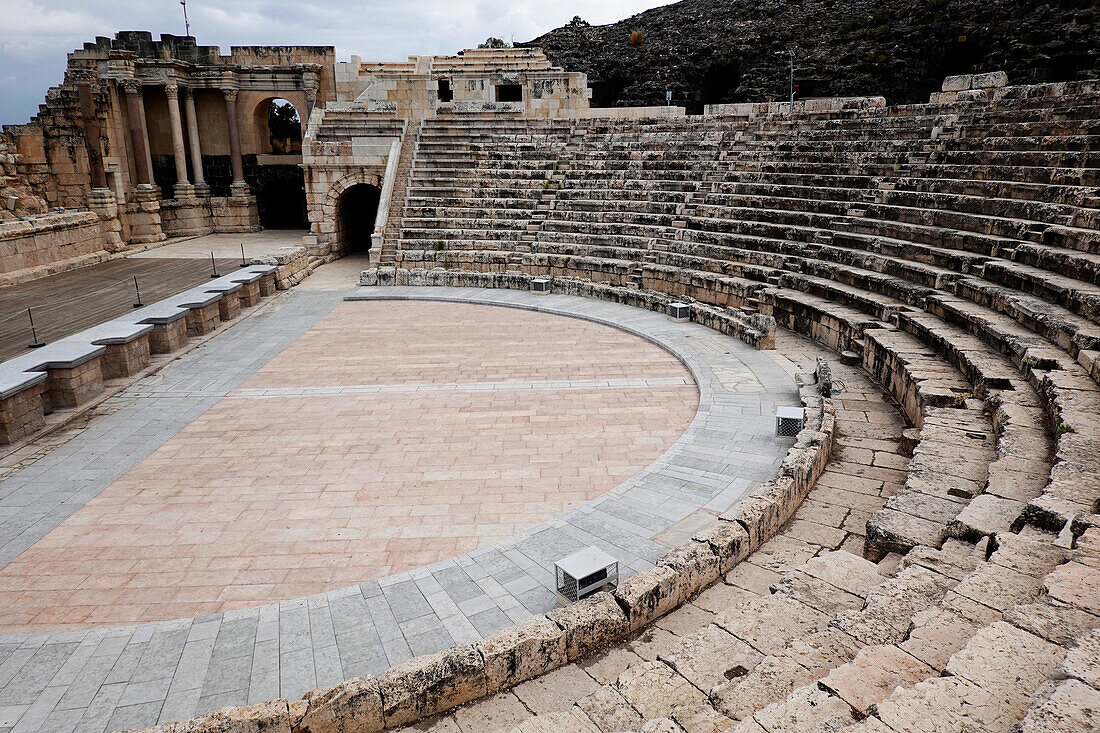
{"x":107,"y":679}
{"x":418,"y":432}
{"x":72,"y":301}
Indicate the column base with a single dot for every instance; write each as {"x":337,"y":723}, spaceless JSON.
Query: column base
{"x":186,"y":215}
{"x":240,"y":188}
{"x":183,"y":191}
{"x":202,"y":190}
{"x":103,"y":202}
{"x":143,"y":214}
{"x":236,"y":213}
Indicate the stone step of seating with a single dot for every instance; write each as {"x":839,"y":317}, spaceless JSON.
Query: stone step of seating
{"x":953,"y":638}
{"x":995,"y":227}
{"x":953,"y":264}
{"x":464,"y":193}
{"x":999,"y":188}
{"x":1089,"y":177}
{"x":1054,"y":215}
{"x":423,"y":209}
{"x":813,"y":186}
{"x":1080,"y":141}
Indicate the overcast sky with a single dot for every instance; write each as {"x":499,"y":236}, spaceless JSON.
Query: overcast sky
{"x":35,"y":35}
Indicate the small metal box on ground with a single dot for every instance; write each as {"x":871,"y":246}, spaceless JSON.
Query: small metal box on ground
{"x":540,"y":286}
{"x":789,"y":421}
{"x":583,"y":573}
{"x":679,"y":312}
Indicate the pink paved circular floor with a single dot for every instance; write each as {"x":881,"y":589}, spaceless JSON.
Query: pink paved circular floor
{"x":391,"y":435}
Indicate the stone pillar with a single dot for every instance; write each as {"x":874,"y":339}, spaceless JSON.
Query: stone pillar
{"x":136,"y":119}
{"x":239,"y":186}
{"x":193,"y":134}
{"x":92,"y":135}
{"x":311,"y":102}
{"x":183,"y":187}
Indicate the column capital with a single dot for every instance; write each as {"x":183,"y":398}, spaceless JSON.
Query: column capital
{"x":230,"y":95}
{"x":188,"y":92}
{"x":172,"y":90}
{"x":130,"y":86}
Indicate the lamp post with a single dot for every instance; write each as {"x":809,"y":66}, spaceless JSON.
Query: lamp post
{"x":789,"y":52}
{"x":186,"y":22}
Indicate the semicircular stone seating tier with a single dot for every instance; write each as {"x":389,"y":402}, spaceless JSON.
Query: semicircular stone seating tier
{"x":953,"y":252}
{"x":944,"y":577}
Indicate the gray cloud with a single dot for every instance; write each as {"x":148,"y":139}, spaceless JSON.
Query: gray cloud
{"x":36,"y":34}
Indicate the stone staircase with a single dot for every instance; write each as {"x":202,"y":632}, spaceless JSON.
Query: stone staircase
{"x":392,"y":233}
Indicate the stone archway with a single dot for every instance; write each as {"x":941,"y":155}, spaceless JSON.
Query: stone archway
{"x":277,"y":126}
{"x":324,"y":189}
{"x":356,"y":211}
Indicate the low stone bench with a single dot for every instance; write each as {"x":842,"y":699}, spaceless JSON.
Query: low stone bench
{"x":169,"y":323}
{"x":70,"y":372}
{"x":128,"y":346}
{"x":249,"y":293}
{"x":229,"y":306}
{"x":203,"y":311}
{"x":74,"y":371}
{"x":22,"y":409}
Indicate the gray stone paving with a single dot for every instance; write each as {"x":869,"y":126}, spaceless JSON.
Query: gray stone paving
{"x":116,"y":678}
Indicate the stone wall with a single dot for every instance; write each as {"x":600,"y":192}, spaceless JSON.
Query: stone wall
{"x":197,"y":216}
{"x":53,"y":243}
{"x":410,"y":88}
{"x":294,"y":265}
{"x":801,"y":106}
{"x":17,"y":196}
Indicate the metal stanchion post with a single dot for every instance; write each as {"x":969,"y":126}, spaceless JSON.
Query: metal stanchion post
{"x":35,"y":343}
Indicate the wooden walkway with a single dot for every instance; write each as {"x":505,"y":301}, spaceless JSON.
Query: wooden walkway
{"x":73,"y":301}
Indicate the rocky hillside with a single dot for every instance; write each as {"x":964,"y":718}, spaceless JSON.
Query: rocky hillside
{"x":708,"y":51}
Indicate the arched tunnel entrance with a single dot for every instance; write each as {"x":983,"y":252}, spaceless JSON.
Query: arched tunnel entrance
{"x":355,"y":214}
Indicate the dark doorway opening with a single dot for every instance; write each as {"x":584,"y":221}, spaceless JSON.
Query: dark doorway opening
{"x":509,"y":93}
{"x":446,"y":94}
{"x":281,"y":200}
{"x":355,"y":214}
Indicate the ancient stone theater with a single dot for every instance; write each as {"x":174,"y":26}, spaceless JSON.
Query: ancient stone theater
{"x":342,"y":396}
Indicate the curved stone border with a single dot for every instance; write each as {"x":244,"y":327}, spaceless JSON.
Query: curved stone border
{"x":433,"y":683}
{"x":754,"y":329}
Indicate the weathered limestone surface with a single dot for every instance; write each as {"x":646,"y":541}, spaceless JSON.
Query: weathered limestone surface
{"x":593,"y":623}
{"x":526,"y":650}
{"x":352,"y":705}
{"x":430,"y":684}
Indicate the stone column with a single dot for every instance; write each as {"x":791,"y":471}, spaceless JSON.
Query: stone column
{"x":239,"y":186}
{"x":183,"y":187}
{"x":193,"y":134}
{"x":92,"y":135}
{"x":136,"y":120}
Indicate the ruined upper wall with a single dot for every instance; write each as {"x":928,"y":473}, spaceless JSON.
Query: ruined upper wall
{"x":184,"y":49}
{"x":413,"y":87}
